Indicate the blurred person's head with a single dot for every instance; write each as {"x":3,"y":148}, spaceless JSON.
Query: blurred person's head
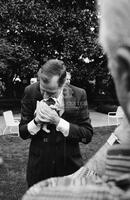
{"x":115,"y":39}
{"x":52,"y":76}
{"x":33,"y":80}
{"x":68,"y":78}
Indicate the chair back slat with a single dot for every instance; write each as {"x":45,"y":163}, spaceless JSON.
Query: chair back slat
{"x":9,"y":119}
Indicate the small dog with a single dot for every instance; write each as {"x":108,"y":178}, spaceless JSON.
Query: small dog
{"x":50,"y":102}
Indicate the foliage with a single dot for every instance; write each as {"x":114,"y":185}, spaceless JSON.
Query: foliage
{"x":15,"y":59}
{"x":35,"y":31}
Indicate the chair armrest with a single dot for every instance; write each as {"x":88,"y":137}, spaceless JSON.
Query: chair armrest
{"x":17,"y":119}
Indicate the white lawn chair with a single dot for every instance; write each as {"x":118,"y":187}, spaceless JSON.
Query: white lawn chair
{"x":114,"y":118}
{"x":11,"y":124}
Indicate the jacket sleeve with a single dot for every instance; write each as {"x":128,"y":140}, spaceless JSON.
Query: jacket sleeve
{"x":27,"y":114}
{"x":81,"y":131}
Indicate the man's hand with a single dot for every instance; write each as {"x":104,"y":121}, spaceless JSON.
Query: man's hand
{"x":44,"y":113}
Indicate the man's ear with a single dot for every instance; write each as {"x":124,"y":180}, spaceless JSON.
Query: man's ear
{"x":123,"y":62}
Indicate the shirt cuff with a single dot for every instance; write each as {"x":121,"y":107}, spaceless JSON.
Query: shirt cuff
{"x":32,"y":128}
{"x":63,"y":127}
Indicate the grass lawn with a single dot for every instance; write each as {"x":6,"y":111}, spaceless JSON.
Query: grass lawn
{"x":14,"y":151}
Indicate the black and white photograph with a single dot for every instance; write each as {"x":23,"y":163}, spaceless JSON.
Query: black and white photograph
{"x":64,"y":100}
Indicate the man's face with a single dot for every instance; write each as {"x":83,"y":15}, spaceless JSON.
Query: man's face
{"x":50,"y":89}
{"x":68,"y":78}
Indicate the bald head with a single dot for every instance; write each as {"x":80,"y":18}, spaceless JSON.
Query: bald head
{"x":114,"y":25}
{"x":115,"y":39}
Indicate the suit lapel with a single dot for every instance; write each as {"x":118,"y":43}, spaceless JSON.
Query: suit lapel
{"x":38,"y":95}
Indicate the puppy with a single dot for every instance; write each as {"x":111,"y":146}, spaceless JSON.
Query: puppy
{"x":50,"y":102}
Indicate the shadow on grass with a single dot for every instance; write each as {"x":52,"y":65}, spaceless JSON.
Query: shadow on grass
{"x":14,"y":151}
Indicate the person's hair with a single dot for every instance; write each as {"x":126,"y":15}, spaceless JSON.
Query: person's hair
{"x":53,"y":67}
{"x":114,"y":24}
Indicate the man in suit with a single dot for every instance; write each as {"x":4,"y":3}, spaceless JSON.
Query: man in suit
{"x":55,"y":152}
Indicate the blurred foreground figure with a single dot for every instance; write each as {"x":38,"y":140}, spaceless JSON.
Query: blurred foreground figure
{"x":115,"y":183}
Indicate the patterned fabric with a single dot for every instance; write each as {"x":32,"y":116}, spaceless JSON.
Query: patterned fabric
{"x":86,"y":184}
{"x":83,"y":172}
{"x":118,"y":161}
{"x":83,"y":188}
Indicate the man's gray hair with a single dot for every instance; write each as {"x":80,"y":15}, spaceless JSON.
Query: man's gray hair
{"x":114,"y":25}
{"x":51,"y":68}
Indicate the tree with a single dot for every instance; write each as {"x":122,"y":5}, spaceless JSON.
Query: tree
{"x":37,"y":30}
{"x":15,"y":59}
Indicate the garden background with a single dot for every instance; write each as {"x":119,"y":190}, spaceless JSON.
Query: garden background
{"x":34,"y":31}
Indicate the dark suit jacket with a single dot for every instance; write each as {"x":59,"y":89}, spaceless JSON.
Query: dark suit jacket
{"x":53,"y":154}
